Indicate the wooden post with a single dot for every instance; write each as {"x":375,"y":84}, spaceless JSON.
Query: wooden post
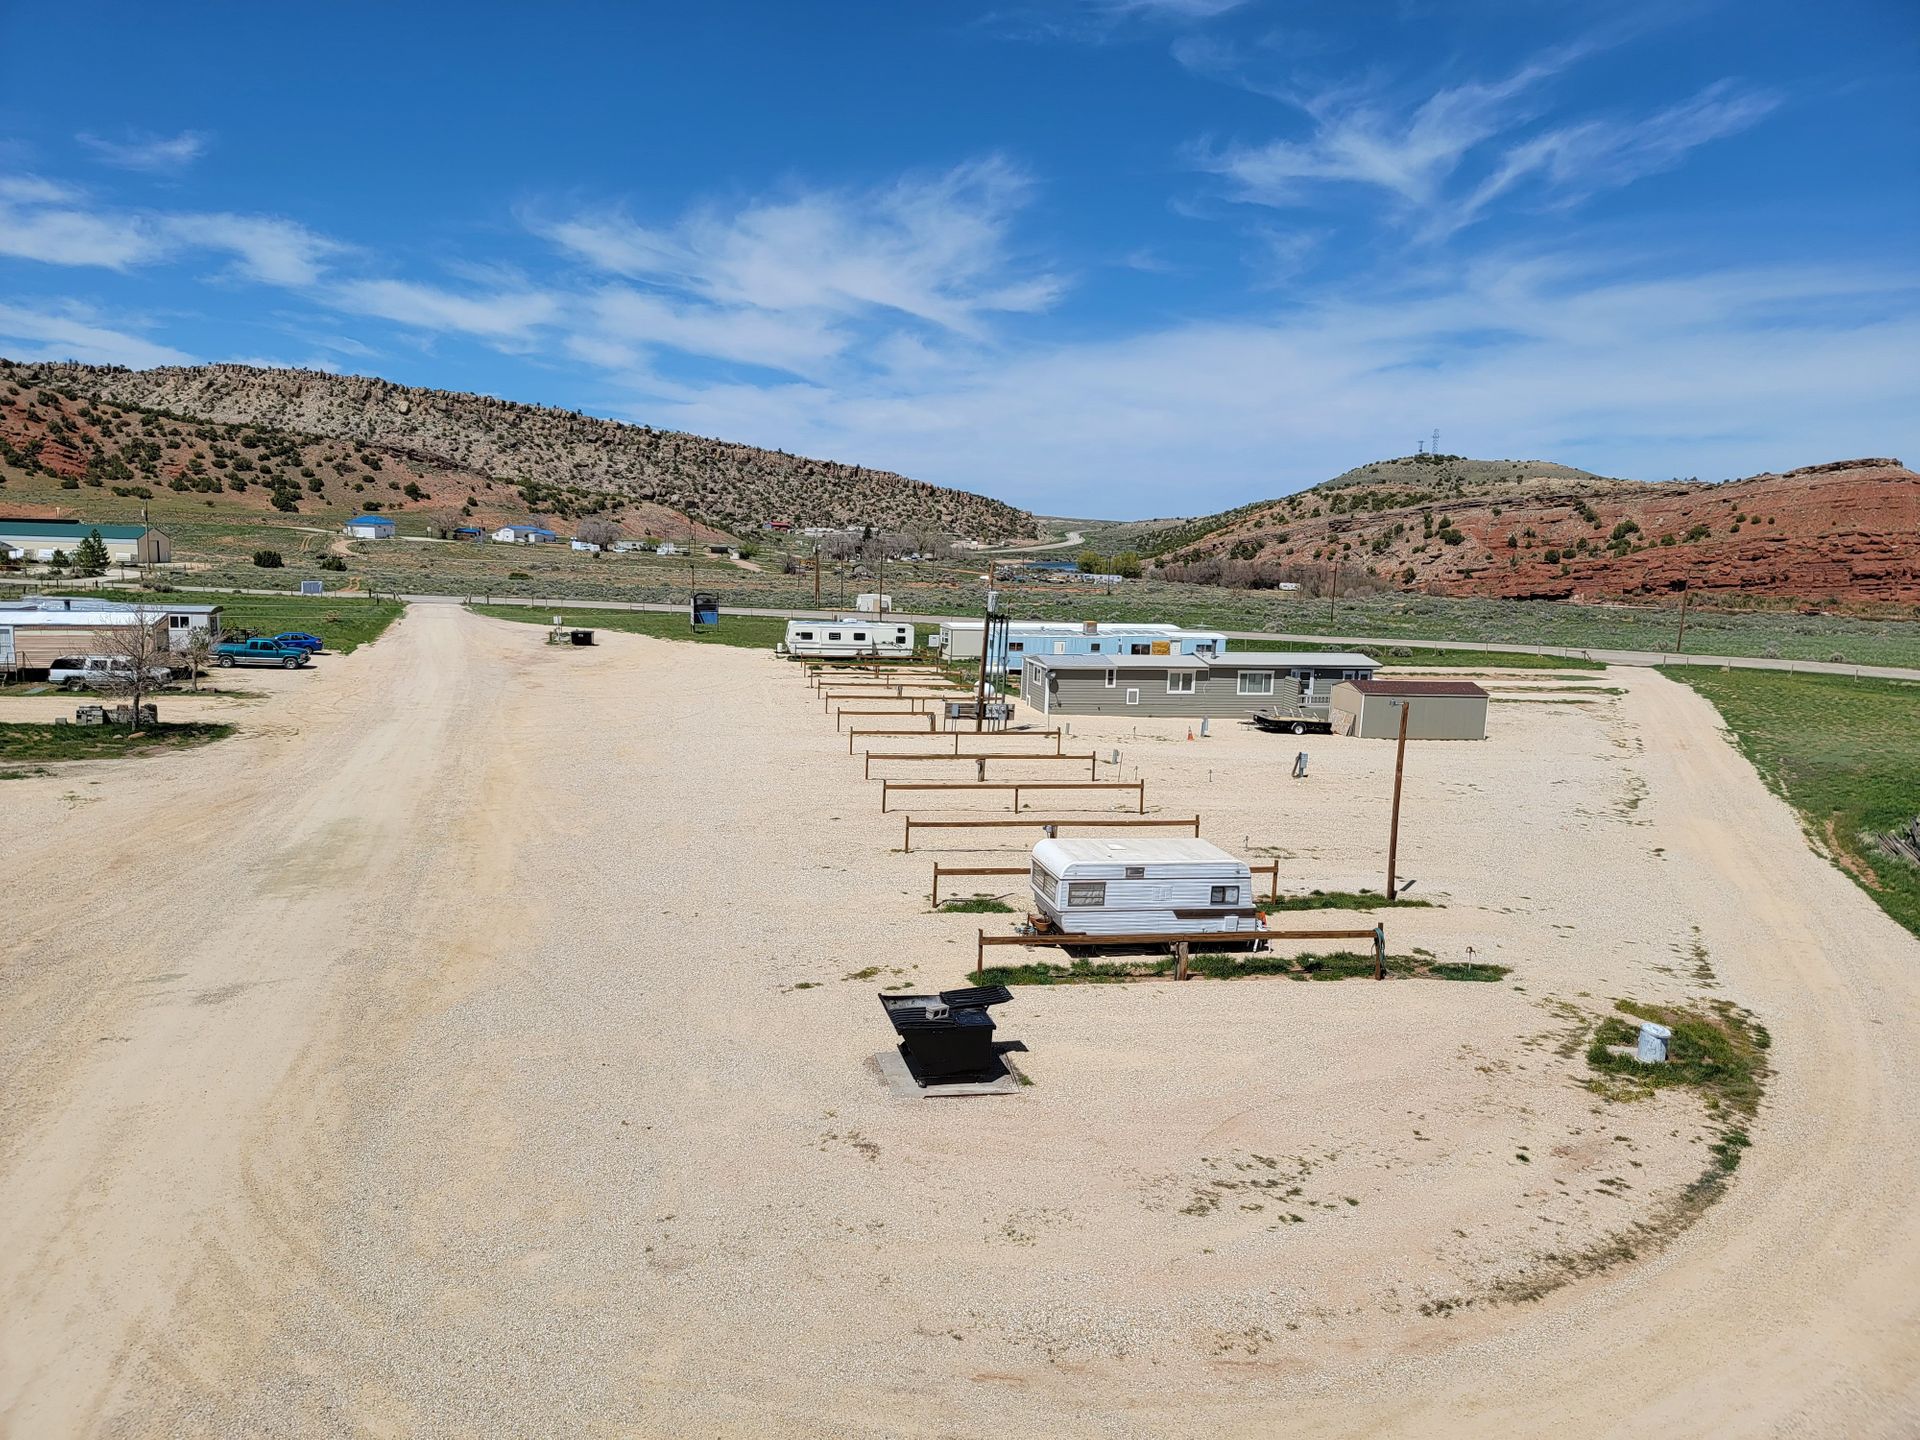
{"x":1180,"y":960}
{"x":1016,"y":799}
{"x":980,"y":956}
{"x":1399,"y":766}
{"x":936,"y":884}
{"x":908,"y":833}
{"x":1380,"y":952}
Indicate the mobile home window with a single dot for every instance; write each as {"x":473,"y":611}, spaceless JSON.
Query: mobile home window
{"x":1133,"y":697}
{"x":1113,"y":678}
{"x":1140,"y":650}
{"x":833,"y":635}
{"x":1086,"y":892}
{"x":1180,"y":682}
{"x":1226,"y":895}
{"x":859,"y":634}
{"x":1094,"y":648}
{"x":179,"y":622}
{"x":1016,"y":645}
{"x":1256,"y":682}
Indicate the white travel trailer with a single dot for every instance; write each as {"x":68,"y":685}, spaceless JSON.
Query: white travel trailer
{"x":1142,"y":887}
{"x":848,"y":637}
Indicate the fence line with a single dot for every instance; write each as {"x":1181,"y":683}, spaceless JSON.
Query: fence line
{"x":1093,"y":761}
{"x":1053,"y":825}
{"x":1139,"y":787}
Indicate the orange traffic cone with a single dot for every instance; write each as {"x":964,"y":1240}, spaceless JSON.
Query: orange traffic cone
{"x":1189,"y":732}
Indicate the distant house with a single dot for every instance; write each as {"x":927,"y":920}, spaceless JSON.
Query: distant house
{"x":586,"y":545}
{"x":779,"y":525}
{"x":370,"y":527}
{"x":126,"y":544}
{"x":524,"y":535}
{"x":667,"y":547}
{"x":469,"y":532}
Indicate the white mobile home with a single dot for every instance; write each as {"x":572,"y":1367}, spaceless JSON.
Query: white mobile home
{"x":1142,"y":887}
{"x":848,"y":637}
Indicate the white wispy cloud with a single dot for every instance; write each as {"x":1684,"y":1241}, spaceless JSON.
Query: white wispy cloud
{"x":76,"y":332}
{"x":155,"y":154}
{"x":498,"y":315}
{"x":1422,"y":157}
{"x":270,"y":250}
{"x":933,"y":248}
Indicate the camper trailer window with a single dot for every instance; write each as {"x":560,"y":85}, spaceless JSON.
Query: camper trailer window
{"x":1226,"y":895}
{"x":806,"y":634}
{"x":833,"y":635}
{"x":1180,"y":682}
{"x":1086,"y":892}
{"x":1256,"y":682}
{"x":859,"y":634}
{"x":1046,"y":884}
{"x":1136,"y":872}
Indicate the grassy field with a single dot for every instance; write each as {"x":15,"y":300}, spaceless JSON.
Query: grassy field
{"x":344,"y":623}
{"x":24,"y":744}
{"x":754,"y":632}
{"x":1844,"y":753}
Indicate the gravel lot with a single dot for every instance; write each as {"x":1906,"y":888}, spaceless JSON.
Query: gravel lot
{"x":474,"y":1046}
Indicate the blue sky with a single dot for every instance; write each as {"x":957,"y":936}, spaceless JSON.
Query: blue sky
{"x":1098,"y":257}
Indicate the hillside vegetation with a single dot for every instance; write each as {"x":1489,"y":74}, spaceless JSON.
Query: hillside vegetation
{"x":553,"y":462}
{"x":1841,"y":533}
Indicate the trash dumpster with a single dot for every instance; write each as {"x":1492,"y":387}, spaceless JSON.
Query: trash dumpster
{"x":947,"y":1038}
{"x":705,"y":609}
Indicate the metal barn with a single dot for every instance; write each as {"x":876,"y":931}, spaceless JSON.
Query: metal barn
{"x":1436,"y":709}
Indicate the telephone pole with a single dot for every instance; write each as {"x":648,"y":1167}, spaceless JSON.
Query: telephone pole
{"x":1334,"y":593}
{"x":1680,"y":645}
{"x":816,"y":577}
{"x":1399,"y":767}
{"x":986,"y":647}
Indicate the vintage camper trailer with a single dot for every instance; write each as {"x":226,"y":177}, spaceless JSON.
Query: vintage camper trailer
{"x":848,"y":637}
{"x":1142,"y":887}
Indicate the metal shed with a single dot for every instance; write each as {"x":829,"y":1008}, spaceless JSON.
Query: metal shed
{"x":1437,"y":709}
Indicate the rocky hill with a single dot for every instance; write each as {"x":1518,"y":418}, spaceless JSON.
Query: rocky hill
{"x":550,"y":452}
{"x":1843,"y":532}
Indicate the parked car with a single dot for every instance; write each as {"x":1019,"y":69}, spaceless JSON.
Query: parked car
{"x":300,"y":640}
{"x":259,"y":652}
{"x":82,"y":672}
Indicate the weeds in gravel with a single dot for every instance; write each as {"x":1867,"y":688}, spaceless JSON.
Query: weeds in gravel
{"x":1343,"y":965}
{"x":976,"y":905}
{"x":1343,"y":900}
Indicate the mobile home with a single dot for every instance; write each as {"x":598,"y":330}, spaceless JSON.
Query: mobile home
{"x":960,"y":640}
{"x":1142,"y":887}
{"x":1188,"y":687}
{"x":847,"y":637}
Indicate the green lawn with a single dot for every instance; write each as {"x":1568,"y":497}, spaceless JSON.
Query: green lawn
{"x":345,"y":624}
{"x":1845,"y":753}
{"x":753,"y":632}
{"x":22,"y":742}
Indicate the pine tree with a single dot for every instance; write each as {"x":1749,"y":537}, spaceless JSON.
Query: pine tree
{"x":91,"y":554}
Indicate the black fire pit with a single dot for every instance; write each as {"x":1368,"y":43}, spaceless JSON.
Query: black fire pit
{"x":947,"y":1039}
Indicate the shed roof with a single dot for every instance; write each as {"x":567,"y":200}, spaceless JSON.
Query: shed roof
{"x":26,"y":619}
{"x":89,"y":602}
{"x":1295,"y":659}
{"x":371,"y":520}
{"x":1417,"y":687}
{"x":70,"y":530}
{"x":1147,"y":850}
{"x":1119,"y":662}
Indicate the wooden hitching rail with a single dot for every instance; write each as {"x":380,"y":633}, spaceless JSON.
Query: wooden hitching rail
{"x":959,"y":735}
{"x":840,"y":715}
{"x":1139,"y":787}
{"x":1056,"y":822}
{"x":1093,"y":761}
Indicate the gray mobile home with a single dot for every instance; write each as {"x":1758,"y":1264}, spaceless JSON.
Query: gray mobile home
{"x":1142,"y":887}
{"x":1232,"y":685}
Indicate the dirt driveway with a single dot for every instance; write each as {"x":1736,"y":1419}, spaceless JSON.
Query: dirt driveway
{"x":480,"y":1044}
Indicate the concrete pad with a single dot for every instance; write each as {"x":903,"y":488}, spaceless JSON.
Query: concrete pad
{"x":902,"y":1086}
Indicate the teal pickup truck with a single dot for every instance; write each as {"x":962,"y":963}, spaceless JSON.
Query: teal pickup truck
{"x":259,"y":652}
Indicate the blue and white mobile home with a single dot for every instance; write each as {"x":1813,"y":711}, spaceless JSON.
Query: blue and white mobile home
{"x":960,"y":640}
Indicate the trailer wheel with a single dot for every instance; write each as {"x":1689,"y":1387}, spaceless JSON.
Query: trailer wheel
{"x":1299,"y":728}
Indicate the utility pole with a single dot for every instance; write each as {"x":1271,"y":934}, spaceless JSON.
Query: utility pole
{"x":1680,"y":645}
{"x":986,"y":645}
{"x":816,"y":577}
{"x":1333,"y":594}
{"x":1399,"y":768}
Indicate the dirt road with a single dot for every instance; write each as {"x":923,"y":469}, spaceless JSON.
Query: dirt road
{"x":478,"y":1045}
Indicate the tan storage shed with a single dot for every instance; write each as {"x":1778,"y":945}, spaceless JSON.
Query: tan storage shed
{"x":1438,"y":709}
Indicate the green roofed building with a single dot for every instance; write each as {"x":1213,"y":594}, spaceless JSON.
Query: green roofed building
{"x":126,"y":544}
